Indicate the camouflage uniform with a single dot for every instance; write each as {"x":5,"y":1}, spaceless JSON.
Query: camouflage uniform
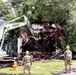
{"x":67,"y":62}
{"x":27,"y":62}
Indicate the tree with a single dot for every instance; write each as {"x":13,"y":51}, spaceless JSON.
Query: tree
{"x":3,"y":9}
{"x":71,"y":27}
{"x":43,"y":10}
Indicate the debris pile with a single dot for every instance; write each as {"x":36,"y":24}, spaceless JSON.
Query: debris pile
{"x":43,"y":55}
{"x":48,"y":40}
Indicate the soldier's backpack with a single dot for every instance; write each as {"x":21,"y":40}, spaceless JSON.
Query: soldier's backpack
{"x":68,"y":55}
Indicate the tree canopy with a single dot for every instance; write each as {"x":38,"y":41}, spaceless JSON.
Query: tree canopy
{"x":55,"y":11}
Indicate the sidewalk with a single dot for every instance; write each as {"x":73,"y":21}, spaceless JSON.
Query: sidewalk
{"x":61,"y":72}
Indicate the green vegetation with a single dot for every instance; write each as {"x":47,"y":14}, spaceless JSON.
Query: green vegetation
{"x":47,"y":67}
{"x":46,"y":10}
{"x":43,"y":67}
{"x":11,"y":71}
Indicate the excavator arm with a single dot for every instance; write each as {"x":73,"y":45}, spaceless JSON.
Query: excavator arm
{"x":12,"y":25}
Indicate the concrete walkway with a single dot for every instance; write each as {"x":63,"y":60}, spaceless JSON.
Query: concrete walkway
{"x":62,"y":72}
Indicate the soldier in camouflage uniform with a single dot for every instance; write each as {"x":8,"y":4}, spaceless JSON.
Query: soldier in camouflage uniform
{"x":27,"y":62}
{"x":68,"y":59}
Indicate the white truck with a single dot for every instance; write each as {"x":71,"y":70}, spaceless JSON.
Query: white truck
{"x":9,"y":26}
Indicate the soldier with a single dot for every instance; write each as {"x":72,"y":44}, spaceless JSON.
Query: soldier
{"x":27,"y":62}
{"x":68,"y":59}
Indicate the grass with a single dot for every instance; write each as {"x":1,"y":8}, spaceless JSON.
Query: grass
{"x":43,"y":67}
{"x":10,"y":71}
{"x":47,"y":67}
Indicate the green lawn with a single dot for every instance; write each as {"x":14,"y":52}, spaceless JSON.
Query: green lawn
{"x":47,"y":67}
{"x":43,"y":67}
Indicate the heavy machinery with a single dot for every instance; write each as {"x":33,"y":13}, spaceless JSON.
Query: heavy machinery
{"x":9,"y":26}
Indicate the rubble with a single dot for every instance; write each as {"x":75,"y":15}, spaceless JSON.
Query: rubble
{"x":49,"y":38}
